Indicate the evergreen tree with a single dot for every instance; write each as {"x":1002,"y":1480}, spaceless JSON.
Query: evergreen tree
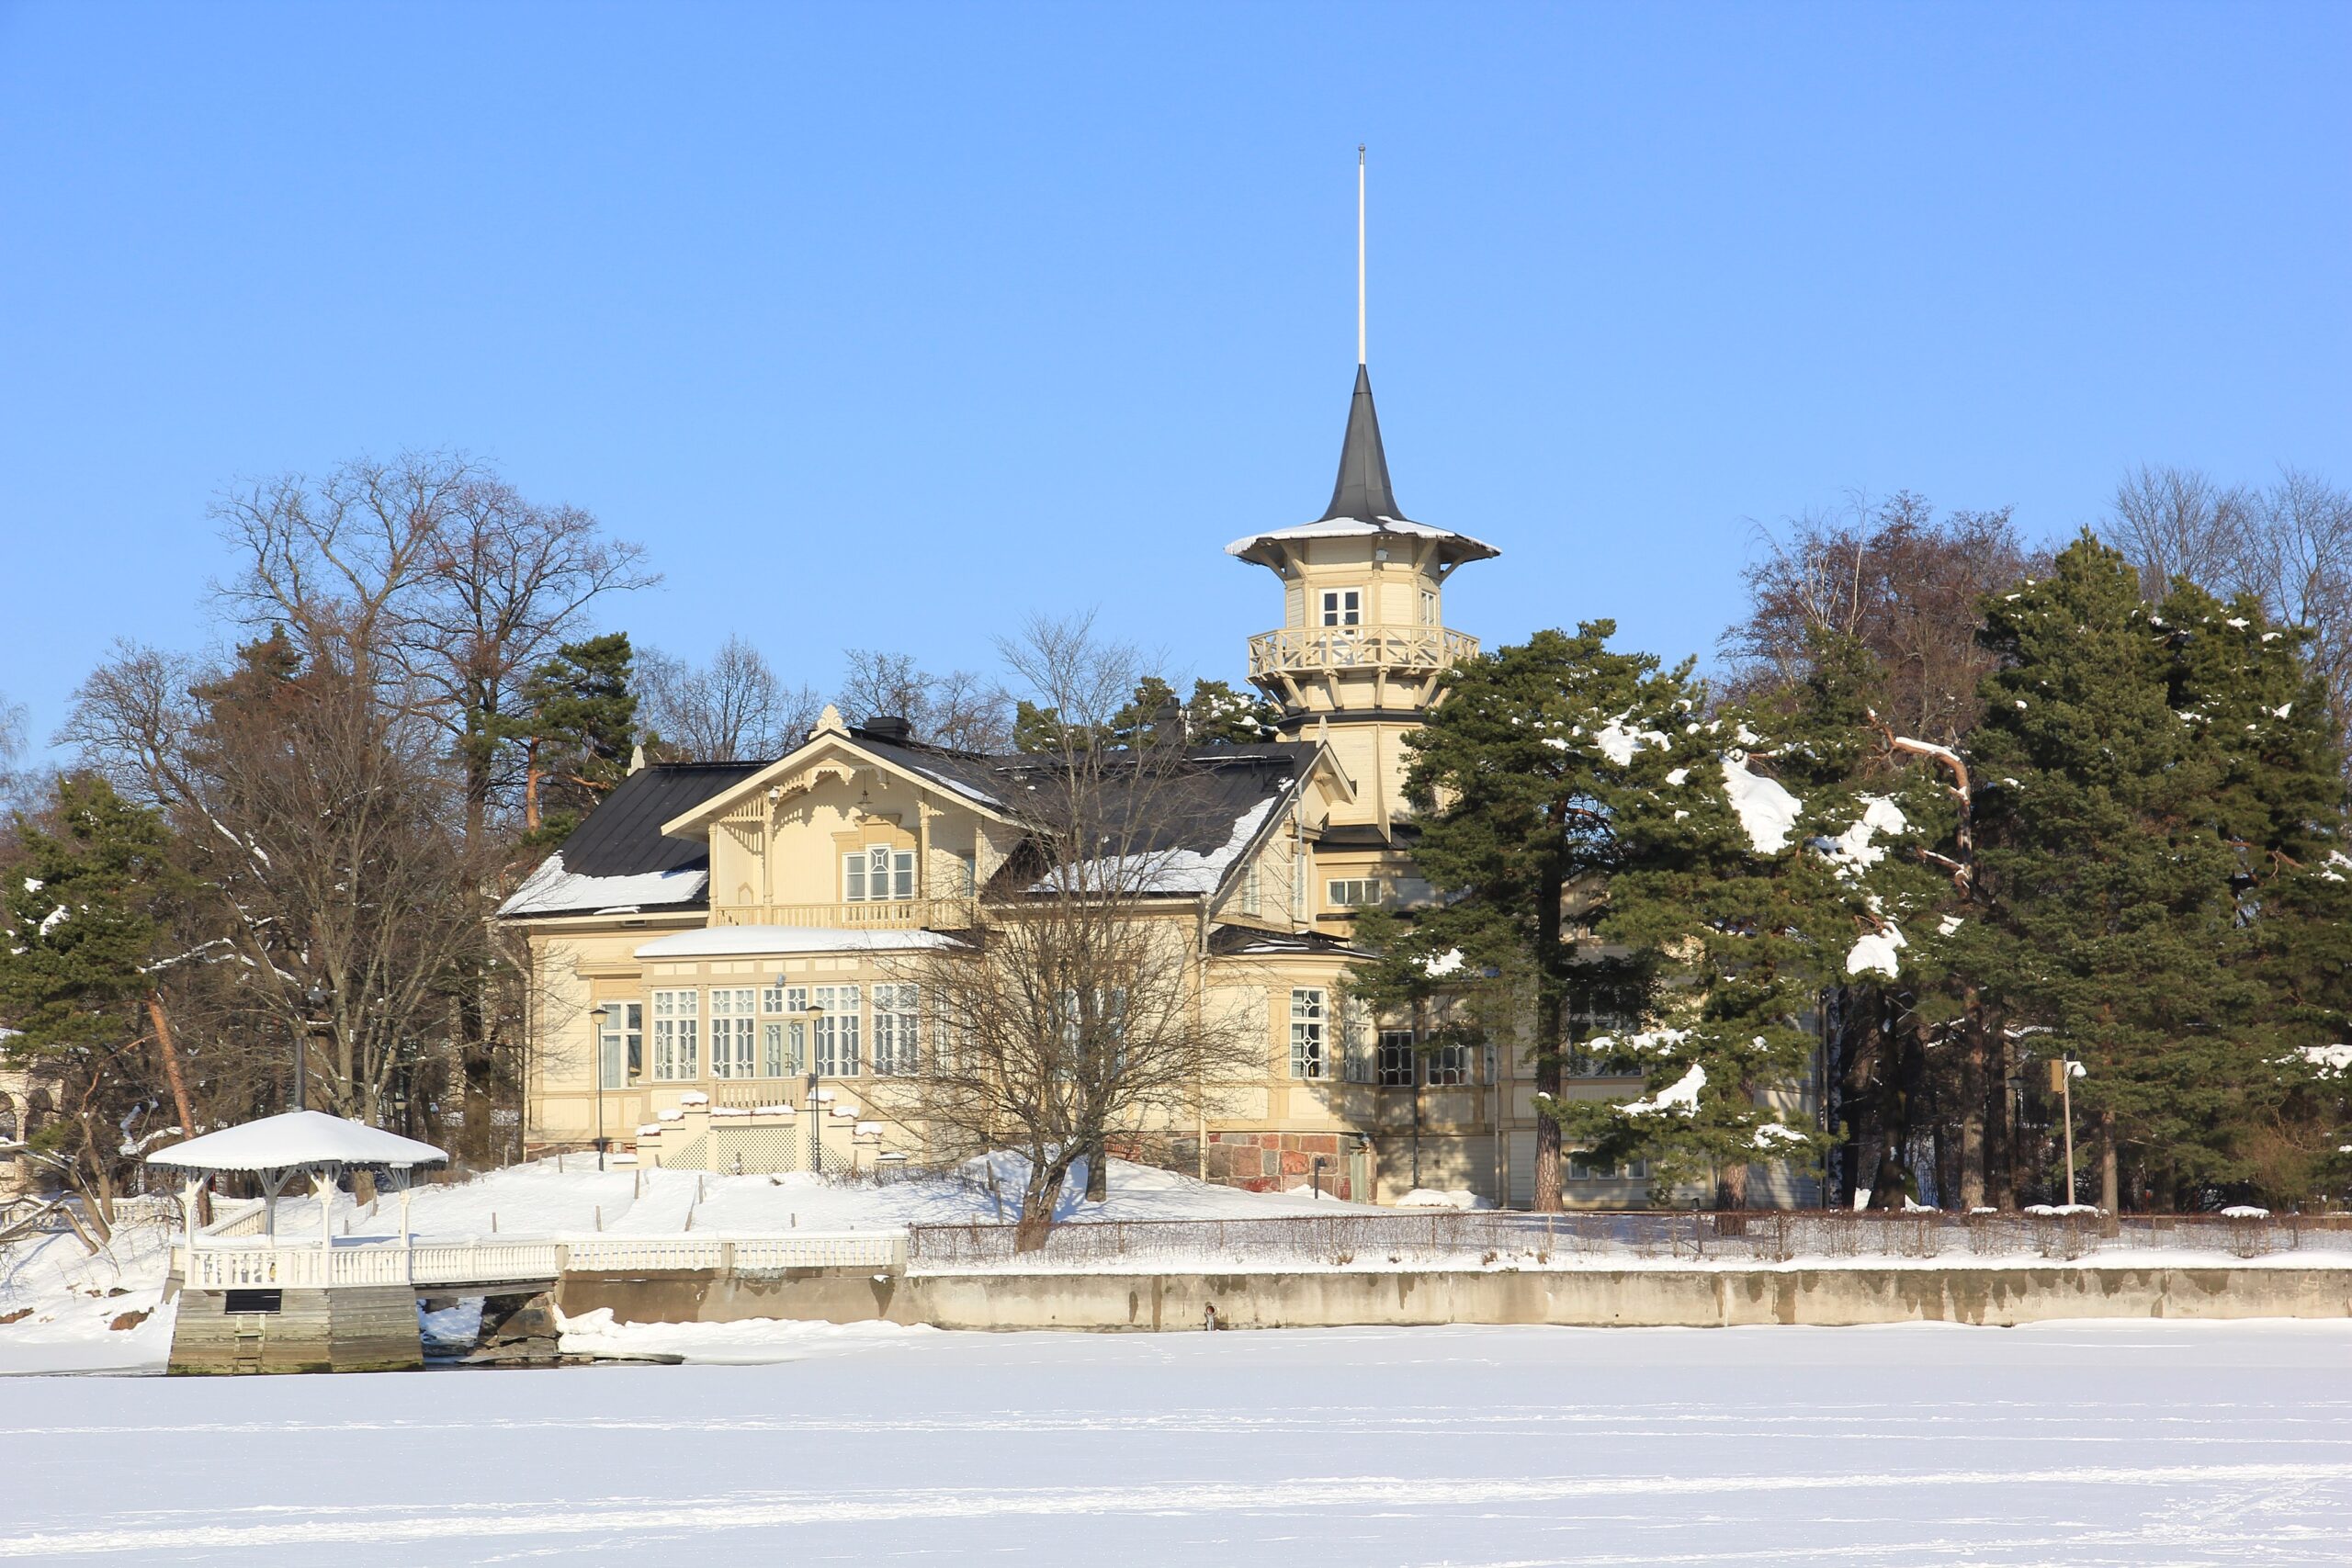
{"x":1757,"y":876}
{"x":1522,"y":776}
{"x":576,"y":732}
{"x":2108,"y":882}
{"x":2269,"y":1117}
{"x":87,"y":910}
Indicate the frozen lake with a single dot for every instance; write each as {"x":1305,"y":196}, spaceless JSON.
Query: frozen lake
{"x":2079,"y":1444}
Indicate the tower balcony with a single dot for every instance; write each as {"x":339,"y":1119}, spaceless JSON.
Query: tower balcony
{"x":1317,"y":651}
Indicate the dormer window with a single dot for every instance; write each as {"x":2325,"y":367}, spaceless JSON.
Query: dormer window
{"x":1343,"y":606}
{"x":878,"y":875}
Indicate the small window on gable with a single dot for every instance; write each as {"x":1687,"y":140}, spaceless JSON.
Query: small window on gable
{"x":1343,"y":606}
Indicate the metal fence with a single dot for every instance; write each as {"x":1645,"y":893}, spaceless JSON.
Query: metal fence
{"x":1458,"y":1239}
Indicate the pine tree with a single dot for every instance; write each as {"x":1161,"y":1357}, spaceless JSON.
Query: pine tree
{"x":2269,"y":1117}
{"x":1759,"y":876}
{"x":576,"y":733}
{"x":1520,"y":776}
{"x":86,"y":913}
{"x":2107,"y":884}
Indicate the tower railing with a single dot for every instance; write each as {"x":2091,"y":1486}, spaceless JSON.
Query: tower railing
{"x":1314,"y":649}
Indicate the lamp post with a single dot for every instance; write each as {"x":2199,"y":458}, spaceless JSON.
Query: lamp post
{"x":2062,"y":1074}
{"x":600,"y":1012}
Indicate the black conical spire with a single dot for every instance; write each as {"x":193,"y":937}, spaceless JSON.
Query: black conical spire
{"x":1363,"y":491}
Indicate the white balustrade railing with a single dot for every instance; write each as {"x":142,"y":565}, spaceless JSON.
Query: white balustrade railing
{"x":298,"y":1265}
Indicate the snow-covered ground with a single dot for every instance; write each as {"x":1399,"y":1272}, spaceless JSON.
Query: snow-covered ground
{"x":2086,"y":1444}
{"x":58,"y":1305}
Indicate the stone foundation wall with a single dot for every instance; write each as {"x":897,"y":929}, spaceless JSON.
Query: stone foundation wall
{"x":1579,"y":1298}
{"x":352,"y":1328}
{"x":1277,"y":1162}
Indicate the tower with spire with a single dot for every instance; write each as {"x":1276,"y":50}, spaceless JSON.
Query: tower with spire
{"x":1363,"y":644}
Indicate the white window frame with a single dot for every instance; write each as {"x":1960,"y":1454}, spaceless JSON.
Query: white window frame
{"x":878,"y":873}
{"x":898,"y":1052}
{"x":1342,"y":606}
{"x":1580,"y":1169}
{"x":1310,"y":1034}
{"x":677,"y":1054}
{"x":1252,"y":889}
{"x":834,"y":1029}
{"x":1354,"y":892}
{"x":621,"y":1047}
{"x":731,"y":1030}
{"x":1429,"y":607}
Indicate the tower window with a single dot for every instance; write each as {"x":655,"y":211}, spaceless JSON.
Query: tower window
{"x":1343,"y":606}
{"x":1428,"y":607}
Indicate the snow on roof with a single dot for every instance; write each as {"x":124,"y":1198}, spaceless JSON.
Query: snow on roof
{"x":1766,"y":807}
{"x":737,"y":941}
{"x":1346,"y":527}
{"x":553,"y":890}
{"x":295,"y":1139}
{"x":1166,"y":870}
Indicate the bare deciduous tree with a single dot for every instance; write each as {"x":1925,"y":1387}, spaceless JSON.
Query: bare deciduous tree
{"x":2290,"y":545}
{"x":959,"y":709}
{"x":1073,"y":1009}
{"x":1901,"y":581}
{"x":505,"y":583}
{"x":732,"y":710}
{"x":2178,"y":523}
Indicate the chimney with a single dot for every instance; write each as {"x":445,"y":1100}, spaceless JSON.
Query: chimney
{"x":887,"y":727}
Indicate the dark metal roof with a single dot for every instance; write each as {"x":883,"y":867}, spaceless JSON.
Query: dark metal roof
{"x":622,"y":837}
{"x":1226,"y":941}
{"x":1363,"y":491}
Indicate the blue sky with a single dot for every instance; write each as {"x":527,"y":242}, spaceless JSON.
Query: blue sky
{"x":913,"y":319}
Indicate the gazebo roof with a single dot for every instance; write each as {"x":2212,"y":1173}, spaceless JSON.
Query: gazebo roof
{"x":295,"y":1141}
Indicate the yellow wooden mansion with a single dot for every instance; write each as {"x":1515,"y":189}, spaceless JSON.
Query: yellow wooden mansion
{"x":713,"y":946}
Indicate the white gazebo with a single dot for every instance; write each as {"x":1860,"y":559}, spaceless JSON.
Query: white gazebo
{"x":276,"y":1149}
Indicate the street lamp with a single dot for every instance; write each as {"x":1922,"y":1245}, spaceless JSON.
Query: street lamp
{"x":600,"y":1012}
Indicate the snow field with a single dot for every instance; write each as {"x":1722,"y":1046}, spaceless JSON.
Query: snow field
{"x":2084,"y":1444}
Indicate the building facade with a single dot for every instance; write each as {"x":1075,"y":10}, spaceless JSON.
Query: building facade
{"x":719,"y":951}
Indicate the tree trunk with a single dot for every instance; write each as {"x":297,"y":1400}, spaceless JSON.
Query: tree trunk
{"x":170,"y":1054}
{"x":2109,"y":1184}
{"x":1972,"y":1115}
{"x":2000,"y":1122}
{"x":1038,"y":1199}
{"x":1098,"y":1173}
{"x":531,"y":787}
{"x":1731,"y":1188}
{"x":1551,"y":1034}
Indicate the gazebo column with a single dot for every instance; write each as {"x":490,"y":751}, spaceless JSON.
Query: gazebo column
{"x":322,"y":1185}
{"x":192,"y":1195}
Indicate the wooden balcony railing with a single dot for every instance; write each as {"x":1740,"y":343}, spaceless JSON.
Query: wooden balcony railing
{"x":1314,"y":649}
{"x":888,"y":914}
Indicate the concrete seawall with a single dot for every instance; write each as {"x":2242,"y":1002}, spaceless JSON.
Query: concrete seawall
{"x":1696,"y":1298}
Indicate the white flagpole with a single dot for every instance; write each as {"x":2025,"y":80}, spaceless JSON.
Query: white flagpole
{"x":1360,"y":360}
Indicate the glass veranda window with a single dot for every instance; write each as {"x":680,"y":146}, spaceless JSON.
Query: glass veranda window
{"x":835,"y":1028}
{"x":730,"y":1032}
{"x":896,"y":1051}
{"x":676,"y":1042}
